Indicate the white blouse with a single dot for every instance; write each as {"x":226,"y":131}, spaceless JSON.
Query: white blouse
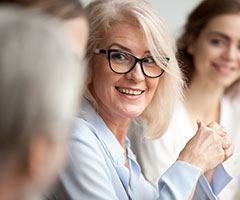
{"x":156,"y":156}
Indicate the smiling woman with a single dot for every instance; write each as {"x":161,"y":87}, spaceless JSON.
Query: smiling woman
{"x":122,"y":106}
{"x":134,"y":79}
{"x":216,"y":51}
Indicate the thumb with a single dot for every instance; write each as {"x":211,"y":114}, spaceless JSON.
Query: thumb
{"x":200,"y":124}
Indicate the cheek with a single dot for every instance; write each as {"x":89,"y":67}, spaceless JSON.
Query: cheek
{"x":202,"y":57}
{"x":102,"y":80}
{"x":202,"y":51}
{"x":237,"y":76}
{"x":208,"y":52}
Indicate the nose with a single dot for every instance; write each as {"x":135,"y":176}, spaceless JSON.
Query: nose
{"x":136,"y":73}
{"x":232,"y":53}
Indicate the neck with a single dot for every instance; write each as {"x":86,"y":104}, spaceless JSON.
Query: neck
{"x":118,"y":126}
{"x":203,"y":101}
{"x":116,"y":123}
{"x":119,"y":129}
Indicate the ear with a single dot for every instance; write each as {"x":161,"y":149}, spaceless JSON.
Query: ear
{"x":41,"y":172}
{"x":37,"y":156}
{"x":190,"y":48}
{"x":45,"y":160}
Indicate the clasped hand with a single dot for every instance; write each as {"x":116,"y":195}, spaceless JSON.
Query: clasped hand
{"x":210,"y":146}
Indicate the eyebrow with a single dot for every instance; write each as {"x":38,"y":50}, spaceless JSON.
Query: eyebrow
{"x":124,"y":48}
{"x":219,"y":34}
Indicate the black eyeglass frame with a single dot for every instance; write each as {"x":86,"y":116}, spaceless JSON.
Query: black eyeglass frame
{"x":137,"y":60}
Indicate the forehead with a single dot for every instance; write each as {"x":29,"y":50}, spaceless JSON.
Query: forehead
{"x":130,"y":35}
{"x":228,"y":24}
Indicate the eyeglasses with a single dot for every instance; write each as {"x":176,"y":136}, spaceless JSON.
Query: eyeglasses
{"x":122,"y":62}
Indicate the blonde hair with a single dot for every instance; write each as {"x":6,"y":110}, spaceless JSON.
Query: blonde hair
{"x":102,"y":14}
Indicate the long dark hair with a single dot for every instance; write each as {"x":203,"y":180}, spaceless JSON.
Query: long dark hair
{"x":196,"y":22}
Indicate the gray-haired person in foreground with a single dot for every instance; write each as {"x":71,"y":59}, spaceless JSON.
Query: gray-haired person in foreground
{"x":40,"y":85}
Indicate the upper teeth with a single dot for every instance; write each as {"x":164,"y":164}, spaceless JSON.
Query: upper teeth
{"x":129,"y":91}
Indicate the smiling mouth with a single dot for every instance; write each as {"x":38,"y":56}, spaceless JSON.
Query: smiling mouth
{"x":224,"y":69}
{"x":131,"y":92}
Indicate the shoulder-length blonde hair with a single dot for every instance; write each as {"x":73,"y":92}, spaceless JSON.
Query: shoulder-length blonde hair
{"x":102,"y":14}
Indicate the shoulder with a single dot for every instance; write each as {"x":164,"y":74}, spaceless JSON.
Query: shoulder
{"x":86,"y":149}
{"x":84,"y":134}
{"x":231,"y":107}
{"x":236,"y":106}
{"x":89,"y":165}
{"x":85,"y":144}
{"x":233,"y":103}
{"x":82,"y":128}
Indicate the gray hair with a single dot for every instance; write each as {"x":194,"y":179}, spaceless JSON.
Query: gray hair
{"x":102,"y":14}
{"x":39,"y":79}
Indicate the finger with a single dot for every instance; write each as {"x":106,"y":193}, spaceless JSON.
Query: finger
{"x":221,"y":133}
{"x":218,"y":128}
{"x":229,"y":152}
{"x":226,"y":144}
{"x":226,"y":141}
{"x":215,"y":126}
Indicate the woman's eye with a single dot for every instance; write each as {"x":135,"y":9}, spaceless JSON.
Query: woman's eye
{"x":118,"y":56}
{"x":217,"y":42}
{"x":149,"y":60}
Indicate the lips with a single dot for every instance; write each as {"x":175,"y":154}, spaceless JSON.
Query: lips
{"x":130,"y":91}
{"x":224,"y":69}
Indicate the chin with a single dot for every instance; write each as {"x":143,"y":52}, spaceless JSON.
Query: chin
{"x":133,"y":113}
{"x":224,"y":82}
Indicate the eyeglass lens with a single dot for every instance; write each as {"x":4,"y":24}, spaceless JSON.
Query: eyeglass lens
{"x":121,"y":62}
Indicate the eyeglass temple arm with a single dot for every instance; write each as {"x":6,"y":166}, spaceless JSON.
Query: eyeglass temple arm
{"x":97,"y":51}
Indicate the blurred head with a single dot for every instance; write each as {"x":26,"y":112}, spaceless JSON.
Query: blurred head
{"x":40,"y":83}
{"x":209,"y":44}
{"x":70,"y":12}
{"x":121,"y":30}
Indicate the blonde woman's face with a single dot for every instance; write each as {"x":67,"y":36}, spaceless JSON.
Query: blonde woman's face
{"x":216,"y":52}
{"x":122,"y":96}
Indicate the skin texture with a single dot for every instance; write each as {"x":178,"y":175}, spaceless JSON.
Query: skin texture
{"x":116,"y":108}
{"x":217,"y":51}
{"x":209,"y":141}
